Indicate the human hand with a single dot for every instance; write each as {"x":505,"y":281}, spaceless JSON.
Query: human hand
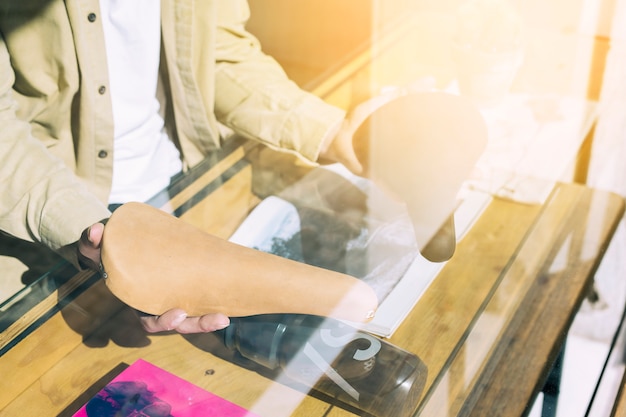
{"x":342,"y":147}
{"x":175,"y":319}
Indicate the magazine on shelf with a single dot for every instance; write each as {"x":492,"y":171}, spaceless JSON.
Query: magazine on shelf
{"x":339,"y":221}
{"x":144,"y":389}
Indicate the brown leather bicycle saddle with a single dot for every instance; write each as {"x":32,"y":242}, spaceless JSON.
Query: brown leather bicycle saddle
{"x":154,"y":262}
{"x":421,"y":148}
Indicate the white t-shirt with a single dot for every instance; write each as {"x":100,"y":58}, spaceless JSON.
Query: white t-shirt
{"x":144,"y":157}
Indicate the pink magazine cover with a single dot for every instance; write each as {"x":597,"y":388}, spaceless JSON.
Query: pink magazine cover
{"x":146,"y":390}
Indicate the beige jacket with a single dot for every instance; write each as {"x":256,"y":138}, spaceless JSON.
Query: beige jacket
{"x":56,"y":133}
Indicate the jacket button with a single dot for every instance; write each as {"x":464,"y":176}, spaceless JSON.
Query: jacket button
{"x":102,"y":89}
{"x":91,"y":17}
{"x":103,"y":154}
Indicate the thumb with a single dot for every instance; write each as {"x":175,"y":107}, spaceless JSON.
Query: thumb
{"x":351,"y":161}
{"x":94,"y":235}
{"x":341,"y":149}
{"x":89,"y":245}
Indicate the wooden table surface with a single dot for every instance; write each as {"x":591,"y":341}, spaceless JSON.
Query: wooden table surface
{"x":488,"y":328}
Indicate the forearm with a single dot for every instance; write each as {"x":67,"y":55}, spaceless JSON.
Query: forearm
{"x":255,"y":97}
{"x":41,"y":198}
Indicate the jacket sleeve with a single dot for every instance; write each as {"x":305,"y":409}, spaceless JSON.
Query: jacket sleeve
{"x":254,"y":96}
{"x":41,"y":199}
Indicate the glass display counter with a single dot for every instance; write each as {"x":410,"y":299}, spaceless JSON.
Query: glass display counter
{"x":479,"y":333}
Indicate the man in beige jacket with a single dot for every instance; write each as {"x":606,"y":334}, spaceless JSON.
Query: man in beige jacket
{"x":61,"y":82}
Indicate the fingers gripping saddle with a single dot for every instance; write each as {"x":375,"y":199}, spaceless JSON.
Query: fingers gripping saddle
{"x":154,"y":262}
